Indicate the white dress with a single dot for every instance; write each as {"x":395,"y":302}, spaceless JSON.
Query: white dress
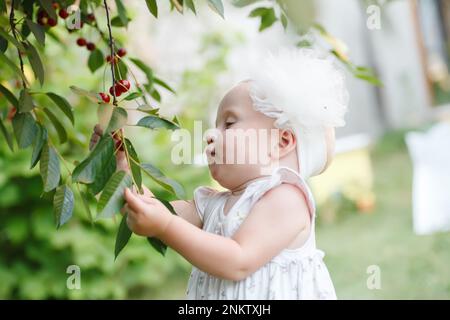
{"x":292,"y":274}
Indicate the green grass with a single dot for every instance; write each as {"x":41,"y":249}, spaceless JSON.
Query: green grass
{"x":412,"y":267}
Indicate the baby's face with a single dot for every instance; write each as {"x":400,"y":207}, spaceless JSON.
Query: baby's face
{"x":234,"y":161}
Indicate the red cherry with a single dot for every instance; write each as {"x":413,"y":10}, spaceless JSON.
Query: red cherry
{"x":121,"y":52}
{"x":124,"y":85}
{"x":105,"y":97}
{"x":116,"y":89}
{"x":109,"y":59}
{"x":91,"y":17}
{"x":63,"y":13}
{"x":90,"y":46}
{"x":81,"y":42}
{"x":55,"y":5}
{"x":42,"y":13}
{"x":52,"y":22}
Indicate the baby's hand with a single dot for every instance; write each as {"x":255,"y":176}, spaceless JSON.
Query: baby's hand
{"x":146,"y":216}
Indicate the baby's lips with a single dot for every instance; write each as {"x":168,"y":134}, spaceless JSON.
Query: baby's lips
{"x":210,"y":152}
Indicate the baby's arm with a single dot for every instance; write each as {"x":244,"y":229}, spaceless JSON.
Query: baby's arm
{"x":187,"y":211}
{"x":273,"y":223}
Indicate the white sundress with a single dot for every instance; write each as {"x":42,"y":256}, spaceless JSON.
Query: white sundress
{"x":292,"y":274}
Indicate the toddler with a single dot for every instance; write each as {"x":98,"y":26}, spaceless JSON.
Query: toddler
{"x":256,"y":240}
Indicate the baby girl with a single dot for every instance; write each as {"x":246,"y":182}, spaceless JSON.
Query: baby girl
{"x":256,"y":240}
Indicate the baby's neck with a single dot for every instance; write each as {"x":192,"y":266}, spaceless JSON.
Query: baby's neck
{"x":241,"y":188}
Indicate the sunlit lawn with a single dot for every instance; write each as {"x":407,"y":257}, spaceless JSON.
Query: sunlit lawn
{"x":411,"y":266}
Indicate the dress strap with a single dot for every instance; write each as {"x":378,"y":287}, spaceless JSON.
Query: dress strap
{"x":286,"y":175}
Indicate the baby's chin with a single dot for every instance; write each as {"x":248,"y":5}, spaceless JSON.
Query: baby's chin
{"x":231,"y":176}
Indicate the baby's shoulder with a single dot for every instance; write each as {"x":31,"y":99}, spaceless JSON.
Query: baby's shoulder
{"x":285,"y":196}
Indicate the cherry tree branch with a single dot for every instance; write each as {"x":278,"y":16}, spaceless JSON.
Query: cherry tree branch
{"x":111,"y":46}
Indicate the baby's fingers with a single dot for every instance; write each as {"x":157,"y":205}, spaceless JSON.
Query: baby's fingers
{"x":134,"y":202}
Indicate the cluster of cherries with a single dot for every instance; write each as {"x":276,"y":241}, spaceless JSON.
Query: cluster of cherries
{"x":44,"y":20}
{"x":118,"y":88}
{"x":82,"y":42}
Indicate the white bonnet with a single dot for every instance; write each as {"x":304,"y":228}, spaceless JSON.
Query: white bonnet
{"x":305,"y":91}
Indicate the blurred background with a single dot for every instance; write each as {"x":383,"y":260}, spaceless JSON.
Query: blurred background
{"x":383,"y":202}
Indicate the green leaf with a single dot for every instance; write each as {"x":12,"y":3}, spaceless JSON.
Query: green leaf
{"x":96,"y":60}
{"x":118,"y":119}
{"x":243,"y":3}
{"x":111,"y":199}
{"x":190,"y":5}
{"x":154,"y":122}
{"x":167,"y":183}
{"x":122,"y":12}
{"x":47,"y":5}
{"x":267,"y":16}
{"x":10,"y":96}
{"x":167,"y":205}
{"x":38,"y":31}
{"x":148,"y":109}
{"x":117,"y":22}
{"x":85,"y":199}
{"x":163,"y":84}
{"x":2,"y":6}
{"x":63,"y":104}
{"x":41,"y":139}
{"x":158,"y":245}
{"x":25,"y":31}
{"x":13,"y":67}
{"x":7,"y":135}
{"x":3,"y":44}
{"x":11,"y":39}
{"x":144,"y":68}
{"x":155,"y":94}
{"x":217,"y":6}
{"x":152,"y":7}
{"x":35,"y":61}
{"x":284,"y":21}
{"x":25,"y":101}
{"x":88,"y":170}
{"x":304,"y":44}
{"x":123,"y":236}
{"x":133,"y":95}
{"x":25,"y":129}
{"x":94,"y":97}
{"x":369,"y":78}
{"x":135,"y":168}
{"x":62,"y":134}
{"x":63,"y":203}
{"x":50,"y":169}
{"x":103,"y":175}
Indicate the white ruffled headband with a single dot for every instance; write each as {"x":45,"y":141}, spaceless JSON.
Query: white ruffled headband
{"x":303,"y":91}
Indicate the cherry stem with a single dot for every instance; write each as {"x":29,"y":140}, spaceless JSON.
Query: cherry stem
{"x":111,"y":46}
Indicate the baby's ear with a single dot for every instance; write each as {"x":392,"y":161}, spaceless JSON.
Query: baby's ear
{"x":287,"y":142}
